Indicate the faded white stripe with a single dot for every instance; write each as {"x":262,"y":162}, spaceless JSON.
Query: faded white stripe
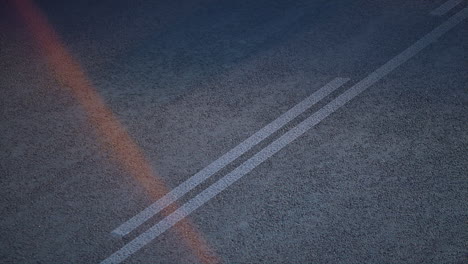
{"x":444,"y":8}
{"x":281,"y":142}
{"x":227,"y":158}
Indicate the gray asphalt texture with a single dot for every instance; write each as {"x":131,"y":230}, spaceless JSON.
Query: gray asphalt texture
{"x":382,"y":180}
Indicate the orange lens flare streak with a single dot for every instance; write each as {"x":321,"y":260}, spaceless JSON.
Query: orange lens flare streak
{"x":111,"y":133}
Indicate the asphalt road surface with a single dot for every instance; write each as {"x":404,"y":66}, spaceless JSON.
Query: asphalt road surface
{"x":232,"y":131}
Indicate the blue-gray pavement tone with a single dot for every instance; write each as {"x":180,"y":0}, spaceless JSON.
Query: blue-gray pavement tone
{"x":381,"y":180}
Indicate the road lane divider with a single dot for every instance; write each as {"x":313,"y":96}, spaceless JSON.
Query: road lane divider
{"x":295,"y":132}
{"x":227,"y":158}
{"x":445,"y":7}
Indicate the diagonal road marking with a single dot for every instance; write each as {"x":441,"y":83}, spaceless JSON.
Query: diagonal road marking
{"x":183,"y":211}
{"x":444,"y":8}
{"x":227,"y":158}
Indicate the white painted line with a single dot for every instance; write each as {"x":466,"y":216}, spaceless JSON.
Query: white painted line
{"x":444,"y":8}
{"x":227,"y":158}
{"x":169,"y":221}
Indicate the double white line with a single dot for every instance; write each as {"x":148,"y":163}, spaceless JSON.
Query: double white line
{"x":227,"y":158}
{"x":266,"y":152}
{"x":445,"y":7}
